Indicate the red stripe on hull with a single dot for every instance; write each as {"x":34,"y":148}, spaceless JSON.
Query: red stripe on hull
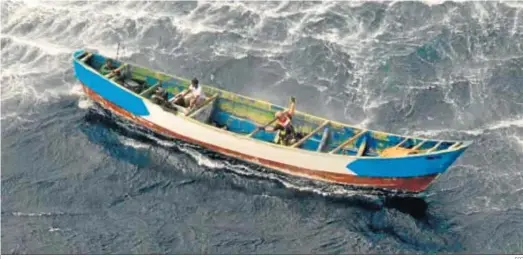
{"x":411,"y":184}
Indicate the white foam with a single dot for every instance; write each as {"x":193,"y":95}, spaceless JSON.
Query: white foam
{"x":503,"y":124}
{"x":15,"y":118}
{"x":514,"y":4}
{"x":133,"y":143}
{"x":519,"y":140}
{"x":364,"y":123}
{"x":76,"y":90}
{"x":15,"y":87}
{"x":434,"y":2}
{"x":333,"y":190}
{"x":506,"y":124}
{"x":47,"y":47}
{"x":201,"y":159}
{"x":116,"y":15}
{"x":20,"y":81}
{"x":54,"y":49}
{"x":516,"y":26}
{"x":85,"y":103}
{"x":130,"y":126}
{"x":36,"y":214}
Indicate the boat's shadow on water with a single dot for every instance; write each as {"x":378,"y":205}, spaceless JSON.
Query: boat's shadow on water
{"x":414,"y":206}
{"x":290,"y":186}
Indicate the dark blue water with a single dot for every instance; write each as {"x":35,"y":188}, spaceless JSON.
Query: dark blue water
{"x":75,"y":181}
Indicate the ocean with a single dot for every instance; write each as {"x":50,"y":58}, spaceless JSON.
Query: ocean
{"x":76,"y":181}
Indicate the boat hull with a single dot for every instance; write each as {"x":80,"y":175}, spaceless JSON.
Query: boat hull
{"x":403,"y":184}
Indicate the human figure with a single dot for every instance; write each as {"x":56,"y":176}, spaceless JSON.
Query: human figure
{"x":191,"y":97}
{"x":107,"y":67}
{"x":286,"y":135}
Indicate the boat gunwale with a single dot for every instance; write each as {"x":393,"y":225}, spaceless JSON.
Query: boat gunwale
{"x":465,"y":143}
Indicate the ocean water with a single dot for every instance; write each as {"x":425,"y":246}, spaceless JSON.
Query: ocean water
{"x":75,"y":181}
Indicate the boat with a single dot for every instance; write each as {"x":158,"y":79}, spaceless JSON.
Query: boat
{"x":229,"y":124}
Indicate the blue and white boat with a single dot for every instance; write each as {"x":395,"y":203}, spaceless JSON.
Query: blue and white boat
{"x":228,"y":123}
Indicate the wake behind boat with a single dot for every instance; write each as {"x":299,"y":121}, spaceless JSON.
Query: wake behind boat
{"x":229,"y":124}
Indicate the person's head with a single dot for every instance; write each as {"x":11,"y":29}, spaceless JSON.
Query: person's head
{"x":279,"y":114}
{"x":194,"y":82}
{"x":108,"y":62}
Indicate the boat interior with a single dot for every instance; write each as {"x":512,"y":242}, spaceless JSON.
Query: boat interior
{"x":243,"y":115}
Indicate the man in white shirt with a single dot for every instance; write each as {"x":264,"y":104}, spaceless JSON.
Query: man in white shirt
{"x":190,"y":97}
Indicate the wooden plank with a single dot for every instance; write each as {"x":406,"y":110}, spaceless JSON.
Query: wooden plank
{"x":402,"y":142}
{"x":203,"y":105}
{"x":362,"y":147}
{"x":323,"y":140}
{"x":116,"y":70}
{"x":457,"y":144}
{"x":434,"y":147}
{"x":419,"y":145}
{"x":258,"y":129}
{"x":149,"y":89}
{"x":86,"y":57}
{"x":82,"y":55}
{"x":297,"y":144}
{"x":347,"y":142}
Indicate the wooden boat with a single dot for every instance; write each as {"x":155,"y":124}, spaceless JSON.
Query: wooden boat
{"x":227,"y":123}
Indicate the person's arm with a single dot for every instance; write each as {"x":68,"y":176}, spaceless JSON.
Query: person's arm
{"x":181,"y":94}
{"x":270,"y":128}
{"x":292,"y":106}
{"x":105,"y":70}
{"x":184,"y":92}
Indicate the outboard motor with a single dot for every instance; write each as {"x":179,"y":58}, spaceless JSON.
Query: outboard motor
{"x":159,"y":96}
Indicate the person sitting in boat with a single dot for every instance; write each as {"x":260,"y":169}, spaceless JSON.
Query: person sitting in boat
{"x":286,"y":133}
{"x":190,"y":97}
{"x":107,"y":67}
